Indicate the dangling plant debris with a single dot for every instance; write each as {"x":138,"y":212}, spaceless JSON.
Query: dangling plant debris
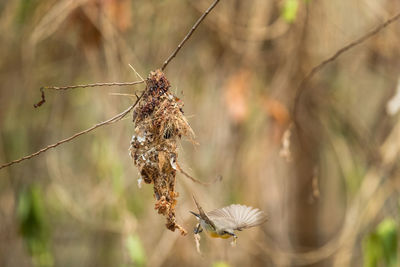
{"x":159,"y":122}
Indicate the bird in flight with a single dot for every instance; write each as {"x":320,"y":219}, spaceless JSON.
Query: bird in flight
{"x":223,"y":222}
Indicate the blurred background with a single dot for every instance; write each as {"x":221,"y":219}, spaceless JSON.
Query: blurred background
{"x":329,"y":183}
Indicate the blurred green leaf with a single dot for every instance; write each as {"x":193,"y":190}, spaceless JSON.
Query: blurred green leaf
{"x":30,"y":213}
{"x":25,"y":10}
{"x":33,"y":225}
{"x":289,"y":11}
{"x":387,"y":231}
{"x":380,"y":246}
{"x":220,"y":264}
{"x":136,"y":251}
{"x":372,"y":250}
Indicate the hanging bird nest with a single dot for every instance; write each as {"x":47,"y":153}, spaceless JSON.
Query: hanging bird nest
{"x":159,"y":123}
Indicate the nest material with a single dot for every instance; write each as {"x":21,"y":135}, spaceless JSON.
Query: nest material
{"x":159,"y":122}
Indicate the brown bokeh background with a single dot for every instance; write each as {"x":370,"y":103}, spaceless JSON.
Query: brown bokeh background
{"x":326,"y":181}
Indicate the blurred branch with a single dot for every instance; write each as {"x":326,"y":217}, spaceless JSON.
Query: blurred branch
{"x":109,"y":121}
{"x":338,"y":53}
{"x":366,"y":206}
{"x":222,"y":23}
{"x":166,"y":62}
{"x":376,"y":188}
{"x":43,"y":98}
{"x":53,"y":19}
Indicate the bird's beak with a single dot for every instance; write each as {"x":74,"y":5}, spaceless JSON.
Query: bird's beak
{"x":233,"y":234}
{"x":195,"y":214}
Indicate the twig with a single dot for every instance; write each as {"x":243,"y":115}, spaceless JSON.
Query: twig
{"x":189,"y":34}
{"x":219,"y":178}
{"x":338,"y":53}
{"x":43,"y":99}
{"x":109,"y":121}
{"x":92,"y":85}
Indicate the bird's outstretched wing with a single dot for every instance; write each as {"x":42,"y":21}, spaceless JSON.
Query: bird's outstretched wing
{"x":242,"y":216}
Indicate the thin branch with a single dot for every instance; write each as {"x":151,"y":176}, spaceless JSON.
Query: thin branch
{"x":43,"y":98}
{"x":92,"y":85}
{"x":219,"y":178}
{"x":109,"y":121}
{"x":314,"y":70}
{"x":166,"y":62}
